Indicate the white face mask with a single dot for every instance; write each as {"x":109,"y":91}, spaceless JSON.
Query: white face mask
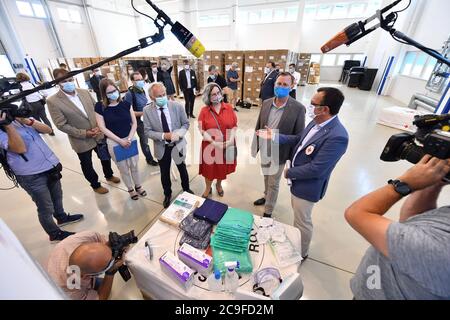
{"x":155,"y":69}
{"x":266,"y":70}
{"x":98,"y":73}
{"x":186,"y":66}
{"x":310,"y":112}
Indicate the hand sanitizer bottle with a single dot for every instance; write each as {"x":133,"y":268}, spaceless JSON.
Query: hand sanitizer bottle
{"x":231,"y":277}
{"x":215,"y":281}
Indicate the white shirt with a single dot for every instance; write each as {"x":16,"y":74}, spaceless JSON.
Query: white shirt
{"x":155,"y":76}
{"x":167,"y":114}
{"x":188,"y":78}
{"x":296,"y":76}
{"x":34,"y":97}
{"x":75,"y":99}
{"x":310,"y":135}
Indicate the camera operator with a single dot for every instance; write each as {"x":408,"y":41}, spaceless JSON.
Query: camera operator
{"x":91,"y":253}
{"x":408,"y":259}
{"x":26,"y":156}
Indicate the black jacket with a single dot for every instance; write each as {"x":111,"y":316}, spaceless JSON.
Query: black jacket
{"x":159,"y":76}
{"x":267,"y":86}
{"x":95,"y":83}
{"x":182,"y":81}
{"x":219,"y":80}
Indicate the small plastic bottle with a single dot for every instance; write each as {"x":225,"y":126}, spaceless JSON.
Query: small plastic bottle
{"x":215,"y":281}
{"x":231,"y":277}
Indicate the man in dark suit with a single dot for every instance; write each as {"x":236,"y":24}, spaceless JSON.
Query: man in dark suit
{"x":188,"y":84}
{"x":95,"y":83}
{"x":154,"y":74}
{"x":214,"y":76}
{"x":287,"y":116}
{"x":317,"y":151}
{"x":267,"y":85}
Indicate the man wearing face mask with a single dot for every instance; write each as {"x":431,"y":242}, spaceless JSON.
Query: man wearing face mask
{"x":166,"y":124}
{"x":188,"y":85}
{"x":296,"y":76}
{"x":287,"y":116}
{"x":95,"y":82}
{"x":317,"y":151}
{"x":89,"y":253}
{"x":268,"y":84}
{"x":215,"y":77}
{"x":154,"y":75}
{"x":232,"y":83}
{"x":72,"y":111}
{"x":138,"y":100}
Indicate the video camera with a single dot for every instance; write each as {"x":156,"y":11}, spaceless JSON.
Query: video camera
{"x":12,"y":110}
{"x":118,"y":245}
{"x":432,"y":137}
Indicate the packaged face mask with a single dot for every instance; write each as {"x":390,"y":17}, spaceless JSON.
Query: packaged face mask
{"x":195,"y":259}
{"x":177,"y":270}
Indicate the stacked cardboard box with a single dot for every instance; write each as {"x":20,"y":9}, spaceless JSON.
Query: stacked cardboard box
{"x":230,"y":58}
{"x":314,"y":73}
{"x":255,"y":62}
{"x":282,"y":57}
{"x":303,"y":62}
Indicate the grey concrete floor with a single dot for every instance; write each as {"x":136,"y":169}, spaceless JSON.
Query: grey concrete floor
{"x":335,"y":250}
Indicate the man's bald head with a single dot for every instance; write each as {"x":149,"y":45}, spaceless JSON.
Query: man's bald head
{"x":91,"y":257}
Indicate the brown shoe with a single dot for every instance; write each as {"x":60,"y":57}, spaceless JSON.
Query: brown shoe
{"x":101,"y":190}
{"x":113,"y":179}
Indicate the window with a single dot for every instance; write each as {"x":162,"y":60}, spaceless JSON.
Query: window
{"x":324,"y":11}
{"x":292,"y":14}
{"x":329,"y":60}
{"x":429,"y":68}
{"x":253,"y":17}
{"x":419,"y":65}
{"x":243,"y":17}
{"x":357,"y":10}
{"x":372,"y":7}
{"x":206,"y":21}
{"x":279,"y":15}
{"x":310,"y":12}
{"x":342,"y":58}
{"x":31,"y":10}
{"x":340,"y":11}
{"x":63,"y":14}
{"x":360,"y":57}
{"x":408,"y":63}
{"x":266,"y":16}
{"x":316,"y":58}
{"x":25,"y":8}
{"x":75,"y":16}
{"x":39,"y":11}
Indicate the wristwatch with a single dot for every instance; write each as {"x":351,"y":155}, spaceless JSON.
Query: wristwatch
{"x":400,"y":187}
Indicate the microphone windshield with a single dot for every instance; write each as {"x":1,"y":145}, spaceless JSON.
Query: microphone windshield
{"x":188,"y":40}
{"x":341,"y":38}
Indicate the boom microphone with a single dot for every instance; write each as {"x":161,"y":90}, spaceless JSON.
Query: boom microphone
{"x":355,"y":31}
{"x":187,"y":39}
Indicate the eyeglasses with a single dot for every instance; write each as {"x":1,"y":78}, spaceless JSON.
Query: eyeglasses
{"x":316,"y":105}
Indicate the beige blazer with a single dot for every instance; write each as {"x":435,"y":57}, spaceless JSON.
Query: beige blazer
{"x":69,"y":119}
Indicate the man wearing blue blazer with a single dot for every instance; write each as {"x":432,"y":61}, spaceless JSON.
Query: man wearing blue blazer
{"x":317,"y":151}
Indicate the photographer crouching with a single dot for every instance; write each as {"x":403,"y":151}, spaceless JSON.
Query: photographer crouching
{"x":77,"y":263}
{"x":28,"y":161}
{"x":408,"y":259}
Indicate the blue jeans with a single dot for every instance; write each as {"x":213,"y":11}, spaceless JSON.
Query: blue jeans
{"x":47,"y":195}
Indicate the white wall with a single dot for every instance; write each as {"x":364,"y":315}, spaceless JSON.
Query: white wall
{"x":431,"y":27}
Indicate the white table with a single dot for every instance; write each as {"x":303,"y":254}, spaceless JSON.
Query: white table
{"x":152,"y":282}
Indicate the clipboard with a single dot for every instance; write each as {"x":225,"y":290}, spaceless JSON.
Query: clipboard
{"x":122,"y":153}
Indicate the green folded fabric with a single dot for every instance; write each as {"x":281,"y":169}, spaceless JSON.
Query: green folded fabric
{"x":221,"y":256}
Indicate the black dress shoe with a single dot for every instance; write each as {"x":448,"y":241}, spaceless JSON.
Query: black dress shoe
{"x":304,"y":259}
{"x":189,"y":191}
{"x":152,"y":163}
{"x":192,"y":116}
{"x":260,"y":202}
{"x":167,"y":200}
{"x":266,"y":215}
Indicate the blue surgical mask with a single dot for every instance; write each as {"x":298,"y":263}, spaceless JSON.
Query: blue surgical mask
{"x":282,"y":92}
{"x":113,"y":96}
{"x":161,"y":101}
{"x":68,"y":86}
{"x":140,"y":84}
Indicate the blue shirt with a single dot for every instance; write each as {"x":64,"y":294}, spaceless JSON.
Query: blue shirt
{"x":40,"y":157}
{"x":141,"y":100}
{"x":232,"y":74}
{"x":117,"y":118}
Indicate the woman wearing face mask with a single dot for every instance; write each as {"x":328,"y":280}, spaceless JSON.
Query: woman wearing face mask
{"x":166,"y":78}
{"x":218,"y":125}
{"x":116,"y":120}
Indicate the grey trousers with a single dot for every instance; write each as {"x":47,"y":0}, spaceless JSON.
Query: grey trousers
{"x":271,"y":189}
{"x":303,"y":221}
